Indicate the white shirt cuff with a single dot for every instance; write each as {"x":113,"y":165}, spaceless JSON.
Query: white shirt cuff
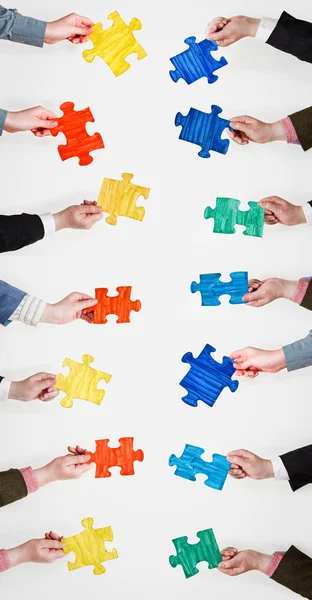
{"x":307,"y":209}
{"x":29,"y":311}
{"x":280,"y":472}
{"x":265,"y":28}
{"x":4,"y":389}
{"x":48,"y":223}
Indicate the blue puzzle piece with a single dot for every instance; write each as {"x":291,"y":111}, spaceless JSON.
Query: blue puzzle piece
{"x":211,"y":288}
{"x":196,"y":62}
{"x":204,"y":129}
{"x":206,"y":377}
{"x":191,"y":463}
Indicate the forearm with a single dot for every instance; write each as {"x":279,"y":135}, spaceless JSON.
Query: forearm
{"x":24,"y":30}
{"x":16,"y":484}
{"x":299,"y":354}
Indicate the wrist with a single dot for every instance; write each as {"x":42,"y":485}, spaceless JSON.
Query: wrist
{"x":300,"y":216}
{"x":279,"y":359}
{"x":268,"y":471}
{"x":17,"y":556}
{"x":262,"y":561}
{"x":49,"y":315}
{"x":60,"y":220}
{"x":289,"y":288}
{"x":15,"y":392}
{"x":252,"y":26}
{"x":9,"y":122}
{"x":45,"y":475}
{"x":277,"y":133}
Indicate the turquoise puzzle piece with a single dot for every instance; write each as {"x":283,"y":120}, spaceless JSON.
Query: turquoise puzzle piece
{"x":191,"y":464}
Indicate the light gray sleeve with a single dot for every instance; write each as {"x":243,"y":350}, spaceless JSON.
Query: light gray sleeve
{"x":17,"y":28}
{"x":3,"y":114}
{"x":299,"y":354}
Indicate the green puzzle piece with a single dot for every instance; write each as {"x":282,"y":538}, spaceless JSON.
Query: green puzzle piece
{"x":226,"y":215}
{"x":188,"y":555}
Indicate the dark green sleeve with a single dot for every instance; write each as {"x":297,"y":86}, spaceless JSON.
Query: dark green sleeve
{"x":307,"y":299}
{"x":295,"y":572}
{"x":12,"y":486}
{"x":302,"y":122}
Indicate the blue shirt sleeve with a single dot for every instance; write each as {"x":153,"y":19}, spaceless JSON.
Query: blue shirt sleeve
{"x":10,"y":299}
{"x":3,"y":114}
{"x":17,"y":28}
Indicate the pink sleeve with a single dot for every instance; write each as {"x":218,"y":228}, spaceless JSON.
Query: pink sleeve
{"x":290,"y":131}
{"x":30,"y":479}
{"x":301,"y":290}
{"x":273,"y":564}
{"x":4,"y":561}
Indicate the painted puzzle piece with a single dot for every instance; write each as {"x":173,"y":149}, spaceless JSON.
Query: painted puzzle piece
{"x":211,"y":288}
{"x":189,"y":555}
{"x":123,"y":456}
{"x":204,"y":129}
{"x":79,"y":142}
{"x":206,"y":377}
{"x":81,"y":382}
{"x":89,"y":547}
{"x":120,"y":305}
{"x":226,"y":215}
{"x":118,"y":198}
{"x":191,"y":463}
{"x":115,"y":44}
{"x":196,"y":62}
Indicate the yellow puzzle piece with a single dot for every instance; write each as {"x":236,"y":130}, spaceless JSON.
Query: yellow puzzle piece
{"x":81,"y":382}
{"x":115,"y":44}
{"x":118,"y":198}
{"x":89,"y":547}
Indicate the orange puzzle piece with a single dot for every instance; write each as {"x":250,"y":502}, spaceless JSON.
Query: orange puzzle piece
{"x":120,"y":305}
{"x":79,"y":142}
{"x":123,"y":456}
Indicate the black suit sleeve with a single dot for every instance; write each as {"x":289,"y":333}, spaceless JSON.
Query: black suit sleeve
{"x":298,"y":465}
{"x":293,"y":36}
{"x":295,"y":572}
{"x":17,"y":231}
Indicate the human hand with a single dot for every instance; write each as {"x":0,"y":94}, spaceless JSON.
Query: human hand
{"x":45,"y":550}
{"x":227,"y":31}
{"x":278,"y":210}
{"x":71,"y":466}
{"x":39,"y":120}
{"x":263,"y":292}
{"x":73,"y":28}
{"x":69,"y":309}
{"x":246,"y":464}
{"x":83,"y":216}
{"x":249,"y":361}
{"x":36,"y":387}
{"x":236,"y":563}
{"x":247,"y":129}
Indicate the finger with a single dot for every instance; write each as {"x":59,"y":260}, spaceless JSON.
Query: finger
{"x":83,"y":304}
{"x":52,"y":544}
{"x":57,"y":554}
{"x":53,"y":536}
{"x":88,"y":318}
{"x":77,"y":459}
{"x":85,"y":21}
{"x":237,"y":354}
{"x":89,"y":209}
{"x":228,"y":549}
{"x":218,"y":35}
{"x":82,"y":30}
{"x":45,"y":396}
{"x":80,"y":296}
{"x":89,"y":203}
{"x":76,"y":450}
{"x":92,"y":219}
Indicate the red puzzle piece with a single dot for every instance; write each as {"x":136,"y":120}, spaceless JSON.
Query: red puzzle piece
{"x":120,"y":305}
{"x":79,"y":142}
{"x":124,"y":456}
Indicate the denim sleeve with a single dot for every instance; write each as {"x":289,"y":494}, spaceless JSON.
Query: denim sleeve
{"x":10,"y":299}
{"x":17,"y":28}
{"x":3,"y":114}
{"x":299,"y":354}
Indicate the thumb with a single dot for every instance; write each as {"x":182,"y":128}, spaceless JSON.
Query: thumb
{"x":52,"y":544}
{"x":241,"y":126}
{"x":82,"y":30}
{"x":47,"y":124}
{"x":47,"y":383}
{"x":77,"y":459}
{"x":90,"y":208}
{"x":238,"y":460}
{"x":82,"y":304}
{"x":269,"y":205}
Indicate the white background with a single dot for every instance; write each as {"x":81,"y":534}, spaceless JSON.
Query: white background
{"x":159,"y":258}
